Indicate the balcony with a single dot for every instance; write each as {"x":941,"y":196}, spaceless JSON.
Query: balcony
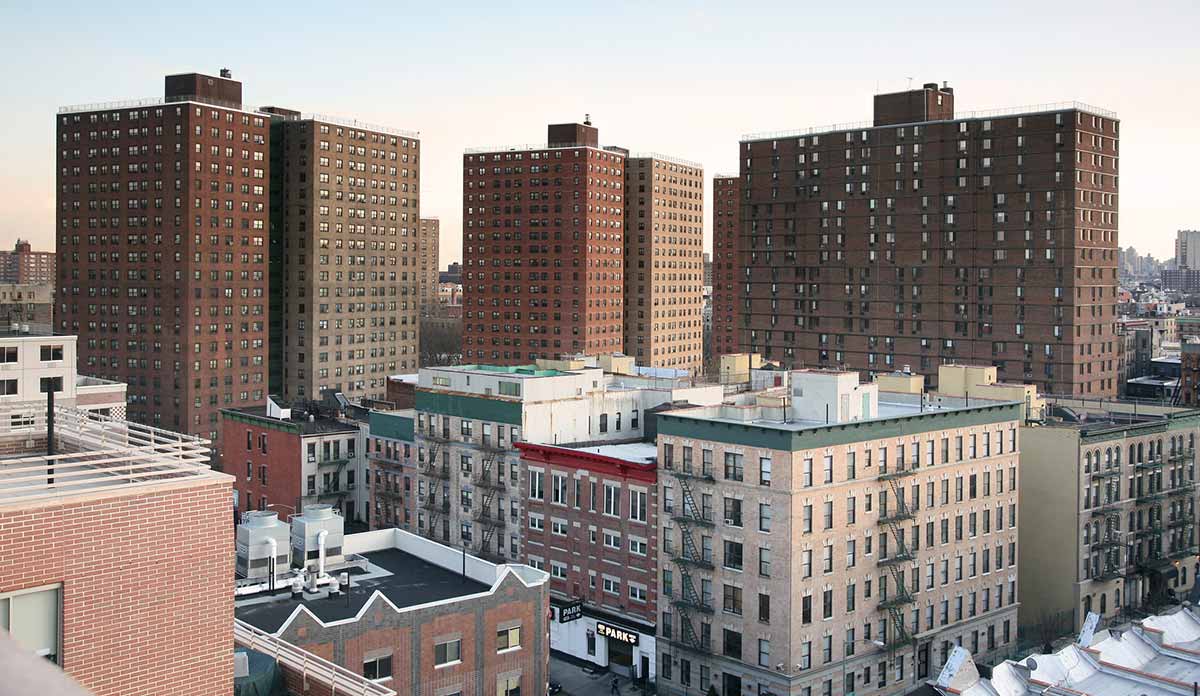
{"x":903,"y":556}
{"x":896,"y":473}
{"x":1150,"y":464}
{"x":435,"y":471}
{"x":1185,"y":488}
{"x":489,"y":481}
{"x":898,"y":515}
{"x":695,"y":605}
{"x":693,"y":519}
{"x":1150,"y":496}
{"x":683,"y":559}
{"x":333,"y":462}
{"x":691,"y":474}
{"x":897,"y":600}
{"x":1182,"y":521}
{"x":433,"y":505}
{"x":1150,"y":531}
{"x":491,"y":518}
{"x":1182,"y":455}
{"x":1107,"y":509}
{"x":1107,"y":541}
{"x":1107,"y":473}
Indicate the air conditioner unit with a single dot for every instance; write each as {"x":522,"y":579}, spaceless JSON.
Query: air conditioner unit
{"x":728,"y":521}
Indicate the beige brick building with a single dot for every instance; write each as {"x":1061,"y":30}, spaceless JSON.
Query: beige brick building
{"x":664,"y":261}
{"x":1110,"y":488}
{"x":827,"y":538}
{"x":345,"y":209}
{"x":428,"y":243}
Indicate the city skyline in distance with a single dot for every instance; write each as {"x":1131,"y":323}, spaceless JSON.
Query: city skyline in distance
{"x":717,"y":72}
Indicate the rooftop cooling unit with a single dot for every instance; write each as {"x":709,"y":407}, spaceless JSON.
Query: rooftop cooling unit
{"x":259,"y":533}
{"x":307,"y":537}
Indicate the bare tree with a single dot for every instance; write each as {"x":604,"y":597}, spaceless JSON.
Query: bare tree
{"x":441,"y":342}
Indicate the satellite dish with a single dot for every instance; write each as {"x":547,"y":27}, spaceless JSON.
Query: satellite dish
{"x":1031,"y":664}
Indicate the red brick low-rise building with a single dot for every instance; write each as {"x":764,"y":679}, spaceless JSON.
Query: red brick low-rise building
{"x":423,"y":619}
{"x":591,"y":521}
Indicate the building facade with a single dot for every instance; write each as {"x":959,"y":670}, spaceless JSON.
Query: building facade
{"x":832,"y":538}
{"x":1109,"y":497}
{"x":391,"y":456}
{"x":543,"y":260}
{"x":428,"y":620}
{"x":664,"y":264}
{"x":162,"y":257}
{"x":591,"y":521}
{"x":68,"y":545}
{"x":726,"y":264}
{"x":428,"y":242}
{"x":345,"y":211}
{"x":930,"y":237}
{"x":24,"y":266}
{"x":30,"y":304}
{"x":1187,"y":249}
{"x":472,"y":490}
{"x":284,"y":459}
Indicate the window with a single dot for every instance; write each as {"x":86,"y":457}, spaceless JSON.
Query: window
{"x":50,"y":384}
{"x":733,"y":555}
{"x":764,"y":652}
{"x":637,"y":592}
{"x":764,"y":471}
{"x":733,"y":466}
{"x":637,"y":505}
{"x":52,"y":353}
{"x":612,"y":500}
{"x":8,"y":354}
{"x":732,"y":599}
{"x":558,"y":487}
{"x":537,"y":481}
{"x":733,"y":512}
{"x":508,"y":639}
{"x":731,"y":645}
{"x":447,"y":653}
{"x":508,"y":686}
{"x":764,"y":517}
{"x":32,"y":618}
{"x":378,"y":667}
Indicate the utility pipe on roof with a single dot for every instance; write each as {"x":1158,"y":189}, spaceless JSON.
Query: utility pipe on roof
{"x":321,"y":535}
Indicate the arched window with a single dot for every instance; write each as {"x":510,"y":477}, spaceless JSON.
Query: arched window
{"x":1087,"y":462}
{"x":1103,"y":603}
{"x":1087,"y":606}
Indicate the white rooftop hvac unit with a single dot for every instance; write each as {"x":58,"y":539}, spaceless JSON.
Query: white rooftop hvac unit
{"x":317,"y":537}
{"x":260,"y":536}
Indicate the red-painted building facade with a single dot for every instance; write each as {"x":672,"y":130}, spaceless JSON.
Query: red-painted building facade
{"x":591,"y":521}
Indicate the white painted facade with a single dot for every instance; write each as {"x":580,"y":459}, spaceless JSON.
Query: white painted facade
{"x":574,"y":638}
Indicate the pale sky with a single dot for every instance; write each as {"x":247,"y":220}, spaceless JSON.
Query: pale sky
{"x":685,"y":79}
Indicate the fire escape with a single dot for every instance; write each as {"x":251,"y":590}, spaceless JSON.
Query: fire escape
{"x":1108,"y":541}
{"x":437,"y":472}
{"x":688,"y":560}
{"x":490,"y":515}
{"x":895,"y":601}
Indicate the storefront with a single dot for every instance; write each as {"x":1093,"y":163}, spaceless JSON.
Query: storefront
{"x":622,"y":645}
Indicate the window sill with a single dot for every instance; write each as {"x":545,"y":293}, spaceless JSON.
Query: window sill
{"x":444,"y":665}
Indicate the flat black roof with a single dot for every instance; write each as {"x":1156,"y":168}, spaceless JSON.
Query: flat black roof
{"x":409,"y":581}
{"x":319,"y":425}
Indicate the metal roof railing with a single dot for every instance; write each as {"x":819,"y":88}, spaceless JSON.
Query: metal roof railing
{"x":964,"y":116}
{"x":309,"y":666}
{"x":98,"y":453}
{"x":347,"y":122}
{"x":154,"y":101}
{"x":666,"y":158}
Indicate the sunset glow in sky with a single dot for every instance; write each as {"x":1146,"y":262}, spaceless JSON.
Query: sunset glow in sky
{"x":685,"y":79}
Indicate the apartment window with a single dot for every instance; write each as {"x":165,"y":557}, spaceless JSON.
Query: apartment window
{"x":558,"y":487}
{"x":32,"y":618}
{"x":8,"y":354}
{"x":764,"y":517}
{"x":764,"y":608}
{"x":447,"y":653}
{"x":764,"y":471}
{"x":378,"y":667}
{"x":637,"y":505}
{"x":731,"y":645}
{"x":612,"y":499}
{"x":51,"y":353}
{"x":733,"y":555}
{"x":537,"y":481}
{"x":764,"y":561}
{"x":733,"y":512}
{"x":732,"y":599}
{"x":733,"y":466}
{"x":764,"y":652}
{"x":508,"y":639}
{"x":508,"y":686}
{"x":828,"y":467}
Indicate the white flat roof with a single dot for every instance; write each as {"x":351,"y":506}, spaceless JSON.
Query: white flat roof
{"x":637,"y":452}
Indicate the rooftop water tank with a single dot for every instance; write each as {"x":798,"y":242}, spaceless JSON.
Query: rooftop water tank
{"x":306,"y":530}
{"x":254,"y":547}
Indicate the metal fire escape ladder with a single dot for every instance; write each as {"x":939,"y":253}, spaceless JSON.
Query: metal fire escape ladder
{"x":686,"y":562}
{"x":897,"y":601}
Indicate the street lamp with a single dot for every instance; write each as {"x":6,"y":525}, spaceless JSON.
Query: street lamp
{"x":847,"y":648}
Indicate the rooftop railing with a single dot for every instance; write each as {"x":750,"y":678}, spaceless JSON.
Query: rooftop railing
{"x":94,"y":453}
{"x":964,"y":116}
{"x":305,"y":666}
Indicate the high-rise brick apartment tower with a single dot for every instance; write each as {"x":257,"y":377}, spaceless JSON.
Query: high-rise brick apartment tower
{"x":344,"y":216}
{"x":428,"y":243}
{"x":664,"y":261}
{"x":162,"y":233}
{"x":928,"y":237}
{"x":726,"y":266}
{"x":543,"y":249}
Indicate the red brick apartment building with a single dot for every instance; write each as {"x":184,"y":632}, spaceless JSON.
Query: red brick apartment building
{"x":112,"y":577}
{"x":162,"y":248}
{"x":591,"y":521}
{"x":24,"y":266}
{"x":928,"y":237}
{"x":286,"y":459}
{"x":542,"y":249}
{"x":725,"y":264}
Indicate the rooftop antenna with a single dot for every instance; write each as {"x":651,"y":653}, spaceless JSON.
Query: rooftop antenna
{"x":587,"y":119}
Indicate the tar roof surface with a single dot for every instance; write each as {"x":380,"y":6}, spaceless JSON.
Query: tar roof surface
{"x":409,"y":581}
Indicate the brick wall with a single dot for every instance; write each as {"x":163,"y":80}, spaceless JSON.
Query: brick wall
{"x":146,"y":581}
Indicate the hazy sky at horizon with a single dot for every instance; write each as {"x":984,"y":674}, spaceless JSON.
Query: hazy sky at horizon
{"x":687,"y":79}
